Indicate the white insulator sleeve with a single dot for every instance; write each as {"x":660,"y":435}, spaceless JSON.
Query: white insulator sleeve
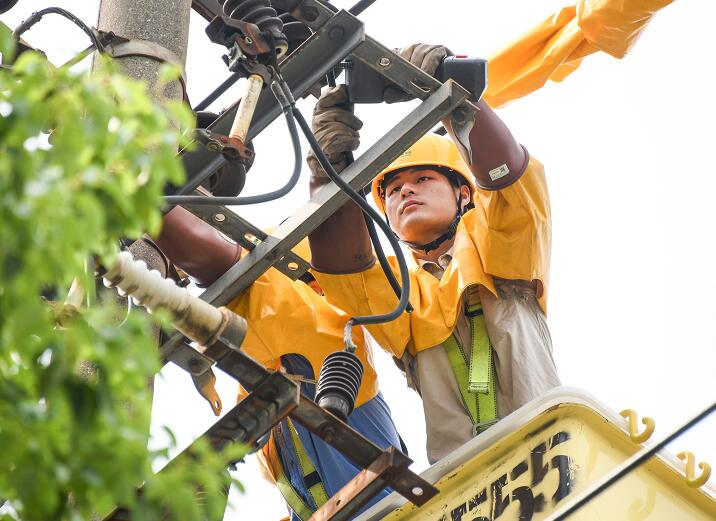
{"x":247,"y":106}
{"x":195,"y":318}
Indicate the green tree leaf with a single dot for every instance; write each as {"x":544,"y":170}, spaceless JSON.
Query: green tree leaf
{"x":83,"y":162}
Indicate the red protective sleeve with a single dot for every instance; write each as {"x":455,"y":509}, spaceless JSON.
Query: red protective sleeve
{"x":196,"y":247}
{"x":341,"y":244}
{"x":498,"y":160}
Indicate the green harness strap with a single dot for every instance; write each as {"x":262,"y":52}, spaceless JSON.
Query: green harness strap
{"x":310,"y":477}
{"x":475,"y":378}
{"x":297,"y":505}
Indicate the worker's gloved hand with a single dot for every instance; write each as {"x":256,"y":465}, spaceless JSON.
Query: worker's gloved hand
{"x":425,"y":56}
{"x":336,"y":129}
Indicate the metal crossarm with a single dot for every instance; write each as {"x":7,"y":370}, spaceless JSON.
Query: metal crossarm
{"x":329,"y":199}
{"x":245,"y":234}
{"x":272,"y":397}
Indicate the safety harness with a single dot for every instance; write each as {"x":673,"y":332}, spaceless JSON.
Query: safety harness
{"x":475,"y":377}
{"x":311,"y":479}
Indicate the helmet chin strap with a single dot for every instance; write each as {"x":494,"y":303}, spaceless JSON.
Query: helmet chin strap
{"x":446,"y":235}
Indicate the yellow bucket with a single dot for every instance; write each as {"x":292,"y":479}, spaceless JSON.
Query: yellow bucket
{"x":535,"y":462}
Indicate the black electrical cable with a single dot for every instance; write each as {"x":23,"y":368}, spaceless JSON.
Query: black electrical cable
{"x":218,"y":91}
{"x":331,"y":79}
{"x":378,"y":247}
{"x":382,"y":259}
{"x":360,"y":6}
{"x":37,"y":16}
{"x":372,"y":232}
{"x":286,"y":107}
{"x":373,"y":214}
{"x":571,"y":509}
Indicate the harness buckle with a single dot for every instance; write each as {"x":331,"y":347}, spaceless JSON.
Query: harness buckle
{"x":479,"y":427}
{"x":473,"y":311}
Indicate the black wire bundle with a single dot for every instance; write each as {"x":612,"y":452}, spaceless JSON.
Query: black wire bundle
{"x":37,"y":16}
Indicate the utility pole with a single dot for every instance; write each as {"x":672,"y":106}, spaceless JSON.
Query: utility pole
{"x":150,"y":33}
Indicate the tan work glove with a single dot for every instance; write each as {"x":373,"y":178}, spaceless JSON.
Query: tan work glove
{"x":424,"y":56}
{"x":336,"y":129}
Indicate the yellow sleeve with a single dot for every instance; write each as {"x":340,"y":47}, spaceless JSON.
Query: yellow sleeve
{"x":556,"y":47}
{"x":511,"y":228}
{"x":280,"y":312}
{"x":248,"y":305}
{"x":288,"y":317}
{"x":614,"y":26}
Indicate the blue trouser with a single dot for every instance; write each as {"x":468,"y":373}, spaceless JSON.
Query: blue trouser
{"x":372,"y":420}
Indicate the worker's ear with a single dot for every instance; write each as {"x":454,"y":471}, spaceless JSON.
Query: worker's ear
{"x":464,"y":196}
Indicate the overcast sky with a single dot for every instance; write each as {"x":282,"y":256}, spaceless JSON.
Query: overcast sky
{"x":627,"y":147}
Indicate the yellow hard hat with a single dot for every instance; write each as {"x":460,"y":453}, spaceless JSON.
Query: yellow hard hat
{"x":429,"y":150}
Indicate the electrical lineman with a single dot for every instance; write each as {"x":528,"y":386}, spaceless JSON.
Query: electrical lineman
{"x":493,"y":258}
{"x":291,"y":328}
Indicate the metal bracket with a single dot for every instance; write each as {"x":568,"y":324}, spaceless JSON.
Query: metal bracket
{"x":205,"y":383}
{"x":188,"y":358}
{"x":247,"y":236}
{"x":330,"y":197}
{"x":120,"y":47}
{"x":232,"y":148}
{"x":363,"y":487}
{"x":255,"y":415}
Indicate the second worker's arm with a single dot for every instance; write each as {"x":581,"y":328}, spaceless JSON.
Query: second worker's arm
{"x":196,"y":247}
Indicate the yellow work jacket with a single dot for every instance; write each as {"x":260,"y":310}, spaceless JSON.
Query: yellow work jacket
{"x":506,"y":235}
{"x":286,"y":316}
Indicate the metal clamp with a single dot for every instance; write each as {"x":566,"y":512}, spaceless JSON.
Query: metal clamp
{"x":366,"y":484}
{"x":232,"y":148}
{"x":120,"y":47}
